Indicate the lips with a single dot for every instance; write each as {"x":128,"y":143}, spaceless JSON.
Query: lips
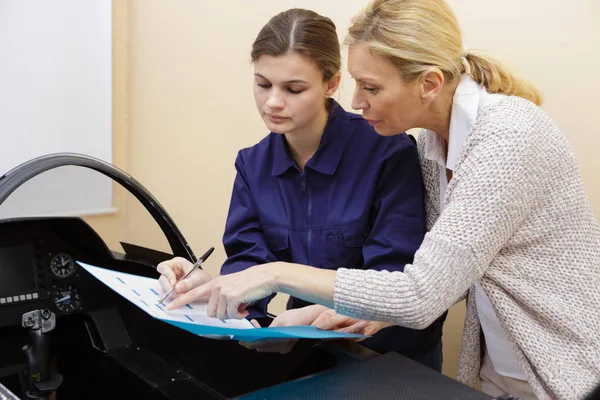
{"x":372,"y":122}
{"x":276,"y":118}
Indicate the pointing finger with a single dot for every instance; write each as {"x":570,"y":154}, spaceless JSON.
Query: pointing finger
{"x":200,"y":293}
{"x":197,"y":278}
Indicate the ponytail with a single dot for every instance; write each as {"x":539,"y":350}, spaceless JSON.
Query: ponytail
{"x":497,"y":77}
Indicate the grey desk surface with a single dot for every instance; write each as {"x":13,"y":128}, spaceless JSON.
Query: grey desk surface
{"x":390,"y":376}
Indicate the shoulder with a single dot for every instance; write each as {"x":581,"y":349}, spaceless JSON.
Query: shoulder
{"x":258,"y":154}
{"x":517,"y":120}
{"x":517,"y":132}
{"x":259,"y":150}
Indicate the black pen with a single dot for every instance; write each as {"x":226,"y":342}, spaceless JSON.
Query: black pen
{"x":194,"y":267}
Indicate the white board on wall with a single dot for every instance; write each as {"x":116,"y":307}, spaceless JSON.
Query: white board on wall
{"x":56,"y":96}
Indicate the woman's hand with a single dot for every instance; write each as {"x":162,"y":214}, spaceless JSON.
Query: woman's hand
{"x":332,"y":321}
{"x":228,"y":295}
{"x":295,"y":317}
{"x":171,"y":271}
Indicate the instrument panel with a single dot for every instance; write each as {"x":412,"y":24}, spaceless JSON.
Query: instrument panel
{"x":98,"y":330}
{"x":38,"y":267}
{"x":33,"y":272}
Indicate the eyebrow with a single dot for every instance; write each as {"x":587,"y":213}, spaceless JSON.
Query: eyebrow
{"x":288,"y":82}
{"x":365,"y":79}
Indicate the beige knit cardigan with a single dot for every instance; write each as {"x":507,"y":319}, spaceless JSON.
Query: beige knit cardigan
{"x":516,"y":218}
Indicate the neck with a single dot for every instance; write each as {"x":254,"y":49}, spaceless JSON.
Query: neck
{"x":303,"y":143}
{"x":440,"y":111}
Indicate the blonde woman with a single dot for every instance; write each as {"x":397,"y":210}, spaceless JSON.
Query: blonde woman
{"x":509,"y":224}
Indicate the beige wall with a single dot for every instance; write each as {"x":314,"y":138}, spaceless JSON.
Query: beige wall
{"x":112,"y":227}
{"x":183,"y":102}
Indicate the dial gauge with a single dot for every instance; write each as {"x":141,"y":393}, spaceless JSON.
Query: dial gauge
{"x":66,"y":298}
{"x":62,"y":265}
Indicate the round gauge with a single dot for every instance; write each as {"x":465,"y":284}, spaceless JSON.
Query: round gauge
{"x":66,"y":298}
{"x":62,"y":265}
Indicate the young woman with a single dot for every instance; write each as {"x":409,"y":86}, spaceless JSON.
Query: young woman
{"x":509,"y":222}
{"x":322,"y":189}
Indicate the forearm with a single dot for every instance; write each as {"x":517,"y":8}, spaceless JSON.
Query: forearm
{"x":301,"y":281}
{"x":413,"y":298}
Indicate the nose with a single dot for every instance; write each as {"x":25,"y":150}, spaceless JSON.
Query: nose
{"x":275,"y":100}
{"x":358,"y":101}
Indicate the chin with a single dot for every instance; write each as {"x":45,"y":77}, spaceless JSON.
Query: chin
{"x":277,"y":131}
{"x":385,"y":131}
{"x":277,"y":128}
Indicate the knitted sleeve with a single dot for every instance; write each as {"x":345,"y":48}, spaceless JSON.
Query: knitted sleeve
{"x":498,"y":181}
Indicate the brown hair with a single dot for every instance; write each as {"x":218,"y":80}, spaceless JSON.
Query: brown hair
{"x":302,"y":31}
{"x":418,"y":34}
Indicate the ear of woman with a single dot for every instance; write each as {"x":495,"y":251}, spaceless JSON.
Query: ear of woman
{"x":333,"y":84}
{"x":431,"y":81}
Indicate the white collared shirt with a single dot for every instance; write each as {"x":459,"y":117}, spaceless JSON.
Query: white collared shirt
{"x":468,"y":99}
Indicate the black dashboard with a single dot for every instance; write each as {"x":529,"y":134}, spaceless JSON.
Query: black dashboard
{"x":38,"y":267}
{"x":131,"y":354}
{"x":64,"y":333}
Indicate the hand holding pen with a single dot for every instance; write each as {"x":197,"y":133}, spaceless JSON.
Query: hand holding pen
{"x":179,"y":275}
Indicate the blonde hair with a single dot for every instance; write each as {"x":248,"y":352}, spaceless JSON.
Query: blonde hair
{"x":418,"y":34}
